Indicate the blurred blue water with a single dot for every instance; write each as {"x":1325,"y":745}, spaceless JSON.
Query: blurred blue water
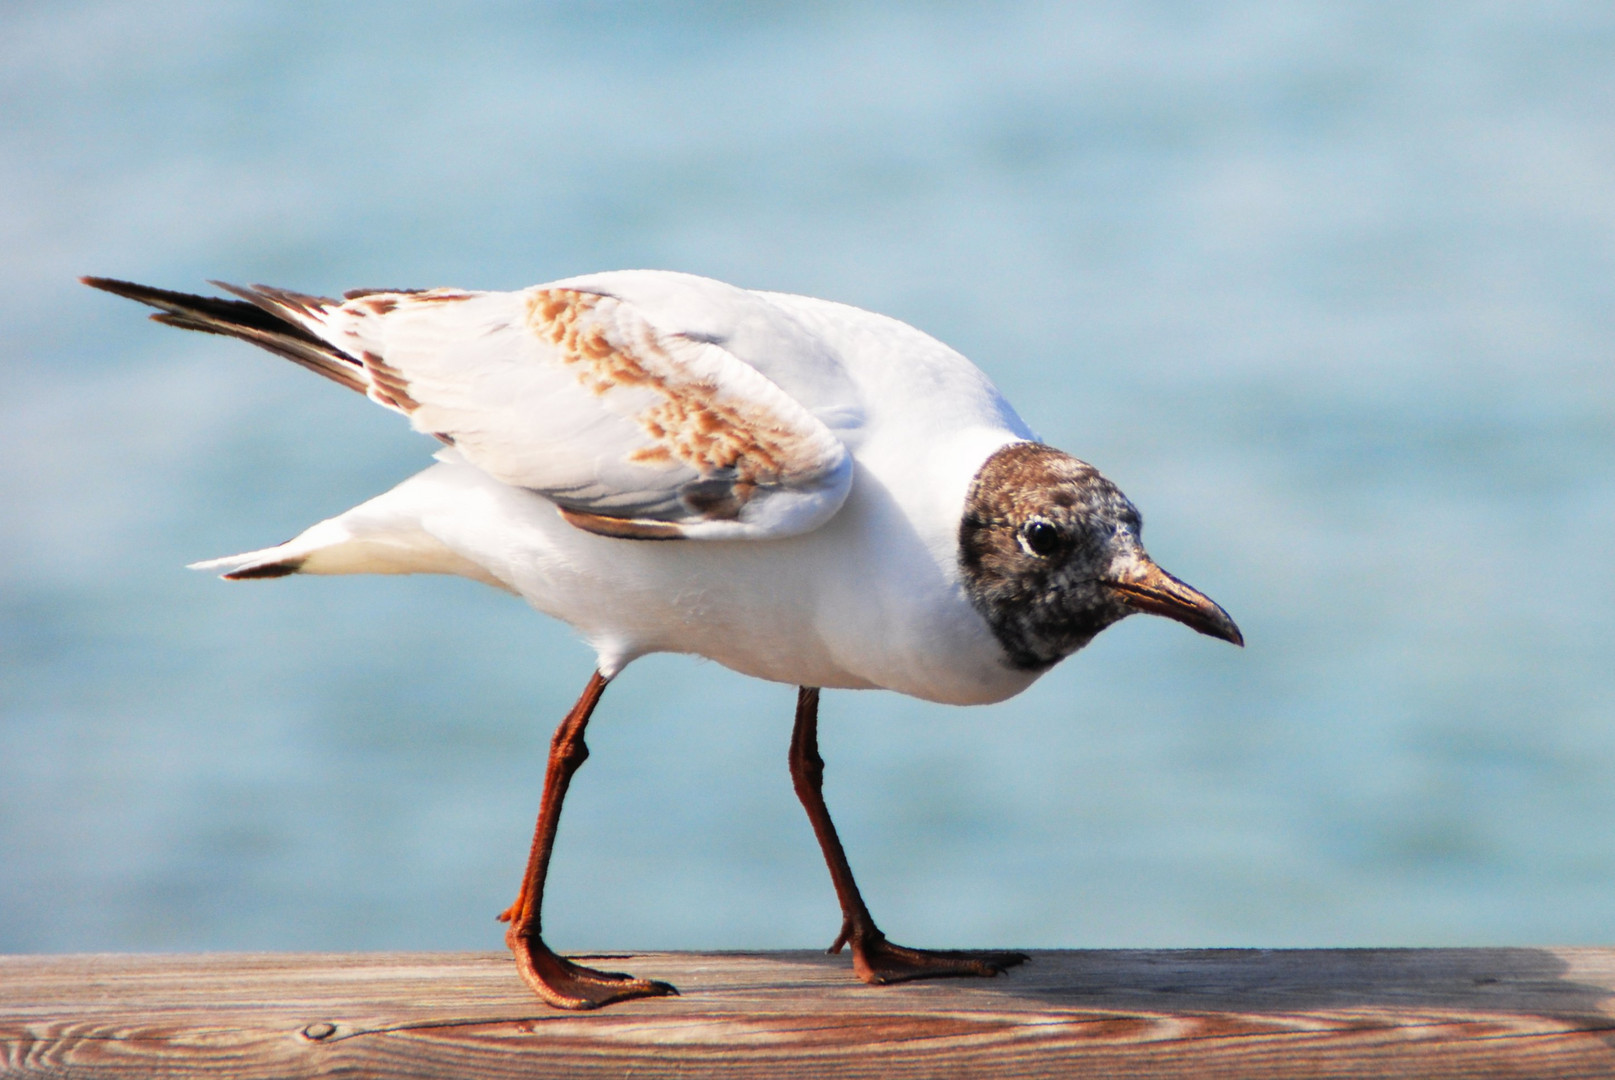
{"x":1326,"y":287}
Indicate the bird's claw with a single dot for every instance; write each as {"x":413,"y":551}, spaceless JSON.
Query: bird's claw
{"x":568,"y":985}
{"x":878,"y":961}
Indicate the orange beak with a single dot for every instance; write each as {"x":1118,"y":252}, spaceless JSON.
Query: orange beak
{"x":1147,"y":588}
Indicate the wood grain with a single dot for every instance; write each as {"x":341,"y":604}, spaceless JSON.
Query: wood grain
{"x":1524,"y":1012}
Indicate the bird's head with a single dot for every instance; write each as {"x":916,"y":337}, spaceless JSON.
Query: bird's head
{"x":1050,"y":555}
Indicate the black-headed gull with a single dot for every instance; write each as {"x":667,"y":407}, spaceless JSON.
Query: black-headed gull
{"x":797,"y":489}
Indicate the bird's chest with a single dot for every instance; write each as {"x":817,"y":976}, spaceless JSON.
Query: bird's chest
{"x":829,"y":611}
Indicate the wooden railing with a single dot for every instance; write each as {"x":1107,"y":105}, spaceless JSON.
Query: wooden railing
{"x":1525,"y":1012}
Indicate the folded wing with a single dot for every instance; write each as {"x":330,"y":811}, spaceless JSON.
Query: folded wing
{"x":634,"y":428}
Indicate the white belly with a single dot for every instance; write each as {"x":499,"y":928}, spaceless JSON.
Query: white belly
{"x":865,"y":602}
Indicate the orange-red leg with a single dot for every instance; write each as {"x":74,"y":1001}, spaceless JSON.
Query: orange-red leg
{"x":554,"y":978}
{"x":874,"y":959}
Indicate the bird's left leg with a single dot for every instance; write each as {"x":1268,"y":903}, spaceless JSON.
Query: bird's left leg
{"x":874,"y":959}
{"x":557,"y":980}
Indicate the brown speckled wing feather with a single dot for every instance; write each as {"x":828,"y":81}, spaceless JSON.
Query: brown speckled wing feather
{"x":635,"y":430}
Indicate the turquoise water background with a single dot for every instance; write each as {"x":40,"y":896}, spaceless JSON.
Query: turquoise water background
{"x":1325,"y":287}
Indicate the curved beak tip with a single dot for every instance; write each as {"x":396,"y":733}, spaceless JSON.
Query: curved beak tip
{"x":1155,"y":592}
{"x":1233,"y":636}
{"x":1210,"y":620}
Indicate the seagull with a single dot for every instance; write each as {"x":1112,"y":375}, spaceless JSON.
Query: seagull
{"x":797,"y":489}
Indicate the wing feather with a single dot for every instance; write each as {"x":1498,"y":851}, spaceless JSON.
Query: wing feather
{"x":636,"y":426}
{"x":636,"y":430}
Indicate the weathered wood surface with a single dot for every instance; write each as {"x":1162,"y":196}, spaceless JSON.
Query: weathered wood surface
{"x":1246,"y":1013}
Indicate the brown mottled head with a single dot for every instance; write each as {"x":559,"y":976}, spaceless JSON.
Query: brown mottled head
{"x":1050,"y":555}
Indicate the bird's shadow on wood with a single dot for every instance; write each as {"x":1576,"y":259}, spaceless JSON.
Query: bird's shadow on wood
{"x":1494,"y":981}
{"x":1264,"y":979}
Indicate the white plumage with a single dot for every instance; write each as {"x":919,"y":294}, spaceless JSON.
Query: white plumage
{"x":840,"y":571}
{"x":799,"y":490}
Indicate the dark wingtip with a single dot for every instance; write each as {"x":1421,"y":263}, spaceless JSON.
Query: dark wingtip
{"x":147,"y":294}
{"x":113,"y":285}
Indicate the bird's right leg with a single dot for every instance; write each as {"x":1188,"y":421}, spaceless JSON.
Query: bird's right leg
{"x":556,"y":979}
{"x":874,"y":959}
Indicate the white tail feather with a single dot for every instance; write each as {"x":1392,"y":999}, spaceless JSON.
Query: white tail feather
{"x":360,"y":541}
{"x":269,"y":562}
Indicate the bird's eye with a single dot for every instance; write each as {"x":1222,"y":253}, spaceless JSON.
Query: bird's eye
{"x":1039,"y":538}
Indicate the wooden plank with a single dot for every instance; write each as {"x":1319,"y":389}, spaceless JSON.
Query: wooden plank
{"x":1248,"y":1013}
